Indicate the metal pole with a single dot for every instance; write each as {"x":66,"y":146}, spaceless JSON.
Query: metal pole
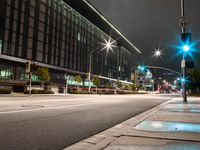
{"x":183,"y":60}
{"x":66,"y":86}
{"x":90,"y":69}
{"x":30,"y":76}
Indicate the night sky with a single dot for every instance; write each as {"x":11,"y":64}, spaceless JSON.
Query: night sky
{"x":153,"y":24}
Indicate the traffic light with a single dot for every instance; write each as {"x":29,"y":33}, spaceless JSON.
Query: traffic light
{"x":186,"y":41}
{"x":33,"y":65}
{"x":28,"y":67}
{"x":141,"y":68}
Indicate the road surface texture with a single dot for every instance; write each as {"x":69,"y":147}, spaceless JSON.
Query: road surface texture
{"x":55,"y":122}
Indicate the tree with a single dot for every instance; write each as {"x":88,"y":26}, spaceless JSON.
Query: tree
{"x":119,"y":84}
{"x":96,"y":81}
{"x":78,"y":79}
{"x":127,"y":86}
{"x":43,"y":75}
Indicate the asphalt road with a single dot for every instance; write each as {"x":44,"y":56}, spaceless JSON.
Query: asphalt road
{"x":51,"y":123}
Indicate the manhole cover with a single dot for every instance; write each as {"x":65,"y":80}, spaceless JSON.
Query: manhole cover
{"x":32,"y":106}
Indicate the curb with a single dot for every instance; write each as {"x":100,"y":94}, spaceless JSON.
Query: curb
{"x":103,"y":139}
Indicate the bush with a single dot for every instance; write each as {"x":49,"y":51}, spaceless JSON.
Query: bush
{"x":39,"y":92}
{"x":195,"y":94}
{"x":105,"y":92}
{"x":78,"y":92}
{"x":5,"y":91}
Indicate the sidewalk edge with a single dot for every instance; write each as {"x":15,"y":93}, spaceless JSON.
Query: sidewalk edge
{"x":104,"y":138}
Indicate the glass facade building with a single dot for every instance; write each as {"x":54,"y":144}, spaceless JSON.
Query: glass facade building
{"x":54,"y":34}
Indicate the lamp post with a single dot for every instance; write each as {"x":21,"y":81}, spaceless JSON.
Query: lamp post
{"x":66,"y":82}
{"x":185,"y":49}
{"x":108,"y":46}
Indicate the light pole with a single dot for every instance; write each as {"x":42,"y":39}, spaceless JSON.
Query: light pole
{"x":108,"y":46}
{"x":185,"y":48}
{"x":66,"y":82}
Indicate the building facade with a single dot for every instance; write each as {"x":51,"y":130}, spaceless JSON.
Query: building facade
{"x":53,"y":34}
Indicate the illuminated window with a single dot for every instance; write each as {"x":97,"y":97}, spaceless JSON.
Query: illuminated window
{"x":79,"y":36}
{"x":1,"y":46}
{"x":6,"y":74}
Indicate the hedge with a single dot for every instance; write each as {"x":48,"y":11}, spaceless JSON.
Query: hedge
{"x":5,"y":91}
{"x":39,"y":92}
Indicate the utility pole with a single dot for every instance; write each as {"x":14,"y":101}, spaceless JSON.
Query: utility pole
{"x":183,"y":66}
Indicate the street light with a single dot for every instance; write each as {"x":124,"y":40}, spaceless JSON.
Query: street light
{"x":157,"y":53}
{"x":108,"y":45}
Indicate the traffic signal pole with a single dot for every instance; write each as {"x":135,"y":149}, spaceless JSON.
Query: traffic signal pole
{"x":183,"y":66}
{"x":30,"y":80}
{"x":28,"y":71}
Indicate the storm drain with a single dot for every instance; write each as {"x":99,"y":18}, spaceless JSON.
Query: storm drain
{"x":164,"y":126}
{"x":159,"y":147}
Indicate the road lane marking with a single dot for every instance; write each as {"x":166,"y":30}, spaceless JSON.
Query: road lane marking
{"x":40,"y":109}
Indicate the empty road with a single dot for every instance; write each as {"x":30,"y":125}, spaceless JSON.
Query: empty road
{"x":55,"y":122}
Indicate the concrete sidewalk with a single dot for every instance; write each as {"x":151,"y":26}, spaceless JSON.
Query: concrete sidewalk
{"x":169,"y":126}
{"x":33,"y":95}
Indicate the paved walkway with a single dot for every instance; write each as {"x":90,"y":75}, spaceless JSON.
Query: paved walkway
{"x":27,"y":95}
{"x":169,"y":126}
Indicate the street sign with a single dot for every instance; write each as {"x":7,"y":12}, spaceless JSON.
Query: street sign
{"x":183,"y":21}
{"x":183,"y":64}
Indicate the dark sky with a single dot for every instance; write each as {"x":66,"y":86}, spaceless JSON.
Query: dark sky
{"x":151,"y":24}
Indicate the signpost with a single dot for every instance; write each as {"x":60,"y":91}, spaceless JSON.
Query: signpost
{"x":183,"y":21}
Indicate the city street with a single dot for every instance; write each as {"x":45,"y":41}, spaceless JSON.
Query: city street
{"x":55,"y":122}
{"x":99,"y":74}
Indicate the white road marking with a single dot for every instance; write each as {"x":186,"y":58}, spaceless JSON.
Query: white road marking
{"x":40,"y":109}
{"x":87,"y":100}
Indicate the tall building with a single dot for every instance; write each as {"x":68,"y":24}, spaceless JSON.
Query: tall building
{"x":58,"y":34}
{"x":144,"y":79}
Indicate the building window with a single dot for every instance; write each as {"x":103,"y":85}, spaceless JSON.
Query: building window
{"x":6,"y":74}
{"x":1,"y":45}
{"x":79,"y":36}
